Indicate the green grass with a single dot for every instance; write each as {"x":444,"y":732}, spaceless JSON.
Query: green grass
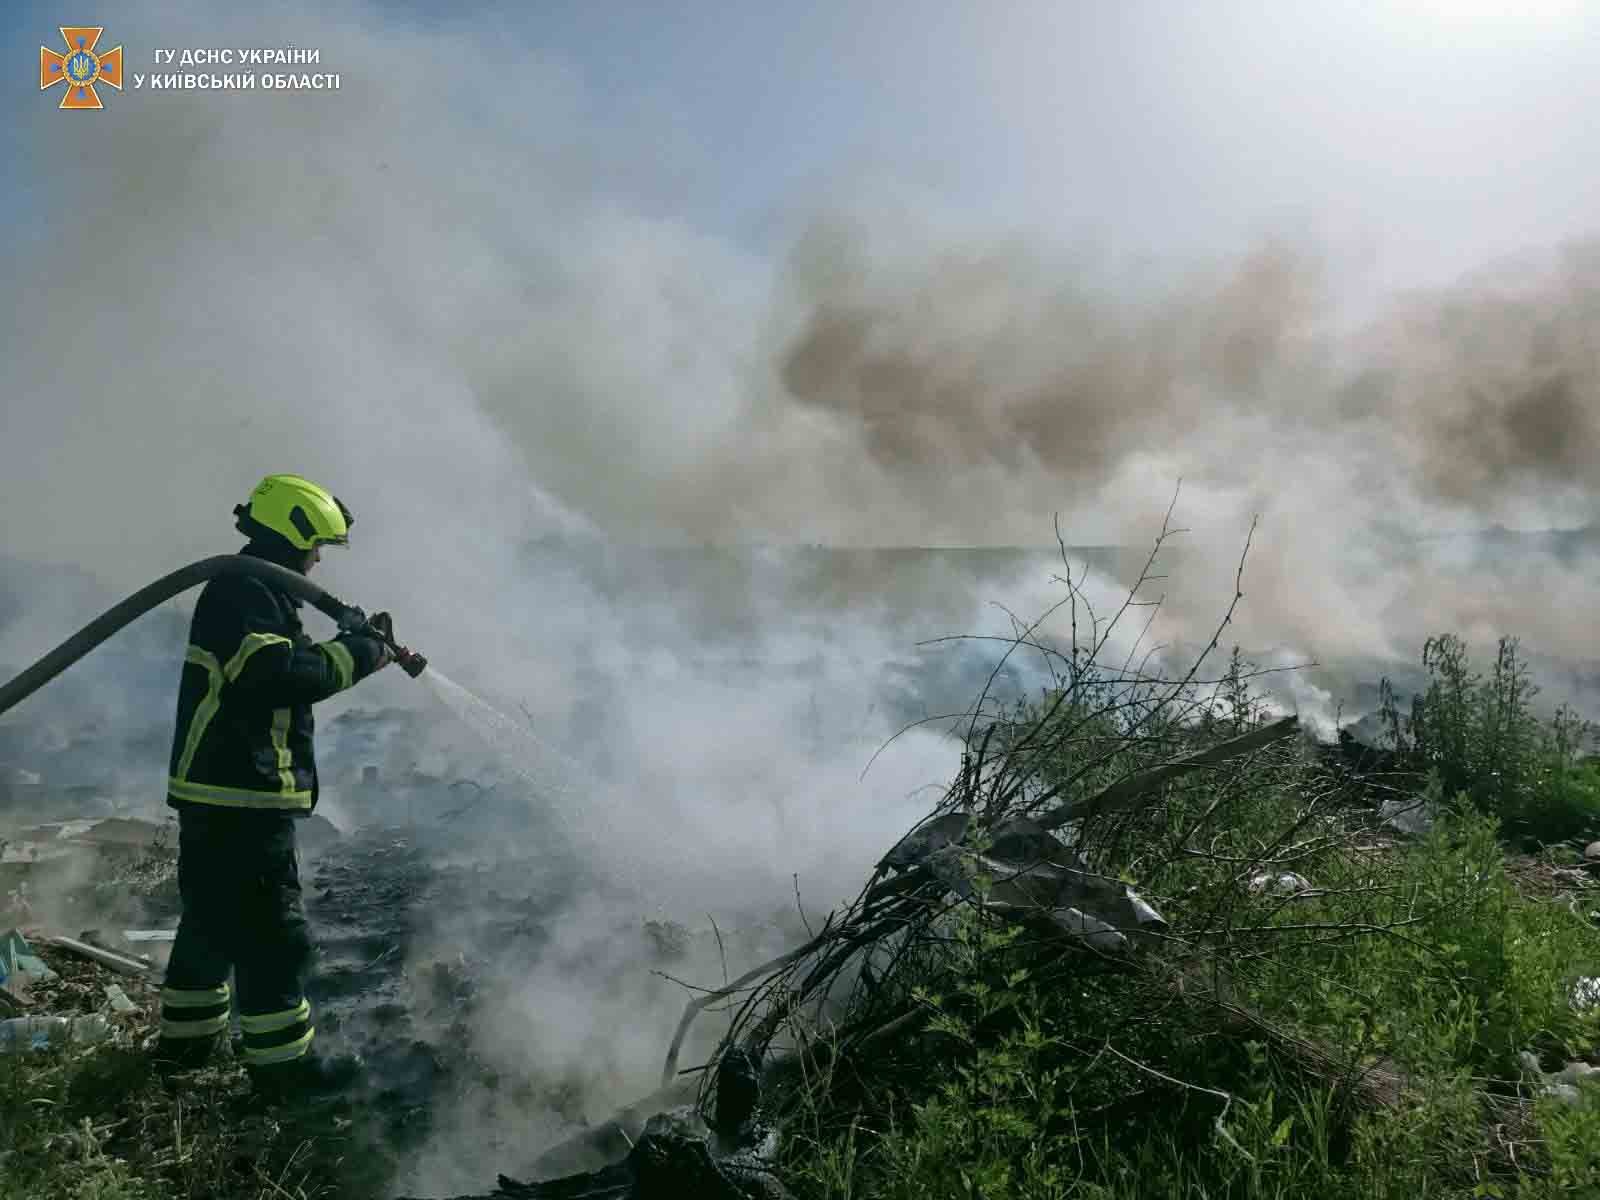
{"x":98,"y":1124}
{"x":1032,"y":1089}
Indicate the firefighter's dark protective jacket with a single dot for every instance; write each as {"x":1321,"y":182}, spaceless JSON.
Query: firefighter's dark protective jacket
{"x":250,"y":676}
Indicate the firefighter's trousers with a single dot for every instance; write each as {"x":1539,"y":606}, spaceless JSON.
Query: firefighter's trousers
{"x":239,"y":879}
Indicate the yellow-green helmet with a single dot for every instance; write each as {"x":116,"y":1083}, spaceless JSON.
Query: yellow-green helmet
{"x":303,"y":513}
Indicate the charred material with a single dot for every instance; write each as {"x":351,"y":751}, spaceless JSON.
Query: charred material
{"x":679,"y":1155}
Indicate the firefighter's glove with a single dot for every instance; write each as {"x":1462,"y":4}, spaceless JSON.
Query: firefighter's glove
{"x":383,"y":624}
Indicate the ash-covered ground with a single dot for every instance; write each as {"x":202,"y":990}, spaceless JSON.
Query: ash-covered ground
{"x":509,"y":965}
{"x":503,"y":997}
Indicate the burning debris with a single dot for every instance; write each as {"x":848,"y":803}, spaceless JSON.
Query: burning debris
{"x":676,"y":1152}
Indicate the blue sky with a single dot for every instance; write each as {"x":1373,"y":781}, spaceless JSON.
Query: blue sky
{"x":1442,"y":133}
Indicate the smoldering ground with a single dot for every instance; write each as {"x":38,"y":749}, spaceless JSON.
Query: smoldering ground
{"x":478,"y":319}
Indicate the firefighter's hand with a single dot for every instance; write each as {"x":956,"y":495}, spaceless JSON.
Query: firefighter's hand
{"x":383,"y":623}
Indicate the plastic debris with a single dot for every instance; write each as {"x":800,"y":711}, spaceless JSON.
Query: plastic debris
{"x":22,"y":1034}
{"x":150,"y":935}
{"x":1032,"y":874}
{"x":1286,"y":883}
{"x":1561,"y":1085}
{"x":119,"y":999}
{"x":1414,"y":817}
{"x":1586,"y":993}
{"x":17,"y":957}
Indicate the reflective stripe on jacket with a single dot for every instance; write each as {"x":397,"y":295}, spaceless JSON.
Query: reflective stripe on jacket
{"x":250,"y":676}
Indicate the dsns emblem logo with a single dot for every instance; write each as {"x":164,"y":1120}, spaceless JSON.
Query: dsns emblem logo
{"x":80,"y":68}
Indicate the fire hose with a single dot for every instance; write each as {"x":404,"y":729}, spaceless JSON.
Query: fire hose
{"x":348,"y":617}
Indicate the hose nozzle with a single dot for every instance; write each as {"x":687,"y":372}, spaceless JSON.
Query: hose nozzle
{"x":352,"y":620}
{"x":412,"y":663}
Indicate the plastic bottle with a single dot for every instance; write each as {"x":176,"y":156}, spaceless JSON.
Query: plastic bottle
{"x":22,"y":1034}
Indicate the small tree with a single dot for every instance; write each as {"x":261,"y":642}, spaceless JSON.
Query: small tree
{"x":1480,"y":738}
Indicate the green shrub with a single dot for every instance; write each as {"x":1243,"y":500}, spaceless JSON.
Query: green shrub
{"x":1571,"y":1135}
{"x":1480,"y":737}
{"x":1420,"y":962}
{"x":1566,"y":805}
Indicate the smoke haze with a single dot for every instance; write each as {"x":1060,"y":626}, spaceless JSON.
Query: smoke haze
{"x":483,"y":318}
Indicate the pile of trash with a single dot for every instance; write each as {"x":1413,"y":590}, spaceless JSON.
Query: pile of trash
{"x":117,"y":876}
{"x":59,"y":991}
{"x":123,"y":868}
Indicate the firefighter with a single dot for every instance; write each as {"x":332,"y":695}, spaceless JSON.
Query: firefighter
{"x":242,"y":771}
